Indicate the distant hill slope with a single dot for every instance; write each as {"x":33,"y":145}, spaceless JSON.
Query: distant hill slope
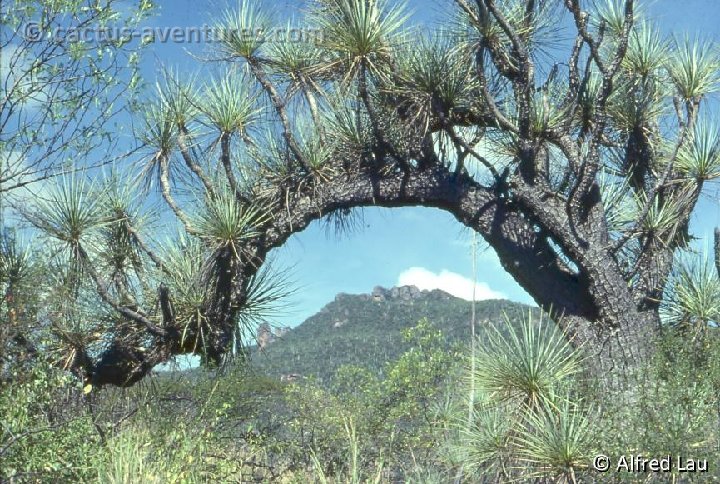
{"x":365,"y":330}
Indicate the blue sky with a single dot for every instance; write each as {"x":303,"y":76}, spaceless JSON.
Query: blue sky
{"x":422,"y":246}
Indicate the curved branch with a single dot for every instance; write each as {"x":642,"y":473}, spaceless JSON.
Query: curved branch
{"x":144,"y":246}
{"x":651,"y":196}
{"x":191,"y":164}
{"x":279,"y":105}
{"x":469,"y":149}
{"x":105,"y":296}
{"x":518,"y":45}
{"x":522,"y":251}
{"x":498,"y":117}
{"x":167,"y":195}
{"x":591,"y":164}
{"x":378,"y":130}
{"x":227,"y":165}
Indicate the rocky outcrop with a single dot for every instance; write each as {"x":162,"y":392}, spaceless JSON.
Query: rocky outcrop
{"x":404,"y":293}
{"x":266,"y":334}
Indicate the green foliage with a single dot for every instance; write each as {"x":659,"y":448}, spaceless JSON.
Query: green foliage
{"x":128,"y":459}
{"x":355,"y":474}
{"x":180,"y":95}
{"x":555,"y":438}
{"x":359,"y":331}
{"x":408,"y":422}
{"x":694,"y":69}
{"x":184,"y":259}
{"x":72,"y":209}
{"x":159,"y":131}
{"x":230,"y":103}
{"x":359,"y":35}
{"x":526,"y":419}
{"x":222,"y":222}
{"x":529,"y":364}
{"x":316,"y":424}
{"x":699,"y":159}
{"x":647,"y":51}
{"x":62,"y":88}
{"x":44,"y":434}
{"x":386,"y":396}
{"x":612,"y":14}
{"x":662,"y":216}
{"x":474,"y":24}
{"x":673,"y":411}
{"x":171,"y":455}
{"x":21,"y":284}
{"x":692,"y":302}
{"x":242,"y":29}
{"x":189,"y":427}
{"x":484,"y":446}
{"x":434,"y":72}
{"x":382,"y":422}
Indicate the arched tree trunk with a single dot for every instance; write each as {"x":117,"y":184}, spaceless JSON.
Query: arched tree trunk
{"x":552,"y":232}
{"x":595,"y":307}
{"x":593,"y":303}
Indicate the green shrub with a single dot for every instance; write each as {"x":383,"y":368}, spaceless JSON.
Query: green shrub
{"x":533,"y":415}
{"x":674,"y":408}
{"x":45,"y":435}
{"x":518,"y":411}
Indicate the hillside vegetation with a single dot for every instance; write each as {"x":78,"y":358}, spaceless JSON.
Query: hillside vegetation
{"x":385,"y":389}
{"x":366,"y":330}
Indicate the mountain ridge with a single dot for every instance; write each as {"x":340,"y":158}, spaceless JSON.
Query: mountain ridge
{"x":366,"y":330}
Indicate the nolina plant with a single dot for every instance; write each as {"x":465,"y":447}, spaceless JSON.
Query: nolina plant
{"x":525,"y":419}
{"x":527,"y":364}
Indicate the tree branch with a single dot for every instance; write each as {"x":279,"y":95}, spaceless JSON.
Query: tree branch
{"x":167,"y":195}
{"x":279,"y":105}
{"x":191,"y":164}
{"x":225,"y":160}
{"x":105,"y":296}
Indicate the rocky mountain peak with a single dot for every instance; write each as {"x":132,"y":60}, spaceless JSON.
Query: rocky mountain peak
{"x":398,"y":293}
{"x":379,"y":293}
{"x":406,"y":293}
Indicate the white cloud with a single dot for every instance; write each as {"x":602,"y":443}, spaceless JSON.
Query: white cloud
{"x":450,"y":282}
